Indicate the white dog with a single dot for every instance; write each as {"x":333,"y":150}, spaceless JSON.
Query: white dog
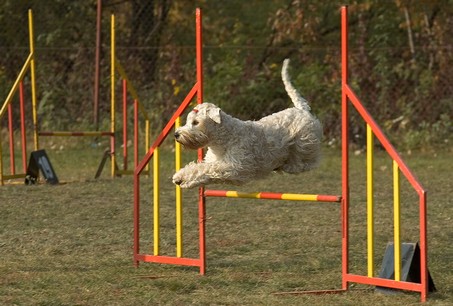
{"x":240,"y":151}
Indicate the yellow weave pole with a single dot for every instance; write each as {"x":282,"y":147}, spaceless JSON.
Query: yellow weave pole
{"x":33,"y":81}
{"x":112,"y":93}
{"x":178,"y":196}
{"x":396,"y":218}
{"x":156,"y":200}
{"x":369,"y":191}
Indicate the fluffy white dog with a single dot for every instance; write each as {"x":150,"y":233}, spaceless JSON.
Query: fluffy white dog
{"x":240,"y":151}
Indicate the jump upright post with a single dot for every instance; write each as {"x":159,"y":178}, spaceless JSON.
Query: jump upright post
{"x":373,"y":130}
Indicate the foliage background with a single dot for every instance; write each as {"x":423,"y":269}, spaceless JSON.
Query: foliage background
{"x":401,"y":54}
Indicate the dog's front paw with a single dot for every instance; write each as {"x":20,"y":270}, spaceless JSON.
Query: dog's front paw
{"x":185,"y":180}
{"x":178,"y":178}
{"x":182,"y":179}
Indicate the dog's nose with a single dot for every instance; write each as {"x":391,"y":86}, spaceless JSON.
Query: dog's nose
{"x":176,"y":135}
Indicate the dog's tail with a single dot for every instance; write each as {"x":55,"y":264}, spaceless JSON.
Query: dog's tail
{"x":298,"y":100}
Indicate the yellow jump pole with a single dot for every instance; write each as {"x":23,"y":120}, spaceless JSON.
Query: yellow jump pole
{"x":33,"y":81}
{"x":178,"y":196}
{"x":112,"y":94}
{"x":156,"y":200}
{"x":396,"y":218}
{"x":370,"y":215}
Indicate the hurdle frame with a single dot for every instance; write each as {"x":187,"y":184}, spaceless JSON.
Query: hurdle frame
{"x":398,"y":166}
{"x":127,"y":89}
{"x":153,"y":152}
{"x":373,"y":131}
{"x":7,"y":108}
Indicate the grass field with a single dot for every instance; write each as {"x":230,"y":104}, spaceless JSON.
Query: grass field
{"x":71,"y":244}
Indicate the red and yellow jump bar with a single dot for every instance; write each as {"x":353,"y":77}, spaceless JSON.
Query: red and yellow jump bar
{"x":81,"y":134}
{"x":273,"y":196}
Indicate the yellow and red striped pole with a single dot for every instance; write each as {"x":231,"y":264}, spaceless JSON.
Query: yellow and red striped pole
{"x":76,"y":134}
{"x":272,"y":196}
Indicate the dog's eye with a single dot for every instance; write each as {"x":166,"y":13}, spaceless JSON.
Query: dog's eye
{"x":195,"y":122}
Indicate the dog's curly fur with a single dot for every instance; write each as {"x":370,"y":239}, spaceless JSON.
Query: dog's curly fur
{"x":241,"y":151}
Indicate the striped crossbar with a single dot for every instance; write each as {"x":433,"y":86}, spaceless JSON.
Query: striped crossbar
{"x":273,"y":196}
{"x":82,"y":134}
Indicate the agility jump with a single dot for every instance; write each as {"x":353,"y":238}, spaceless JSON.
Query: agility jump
{"x":373,"y":130}
{"x":7,"y":107}
{"x":157,"y":257}
{"x":128,"y":90}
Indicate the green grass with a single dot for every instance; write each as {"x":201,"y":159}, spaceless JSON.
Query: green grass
{"x":71,"y":244}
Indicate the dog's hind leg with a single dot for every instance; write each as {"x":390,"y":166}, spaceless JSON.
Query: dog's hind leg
{"x":303,"y":156}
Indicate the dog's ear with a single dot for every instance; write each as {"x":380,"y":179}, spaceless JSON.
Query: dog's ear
{"x":214,"y":114}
